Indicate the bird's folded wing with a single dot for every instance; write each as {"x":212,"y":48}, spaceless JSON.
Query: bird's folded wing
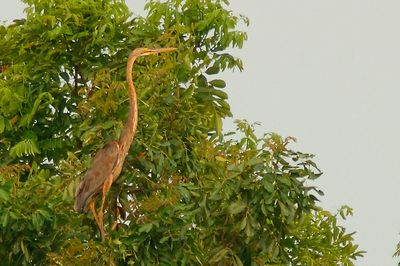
{"x":100,"y":169}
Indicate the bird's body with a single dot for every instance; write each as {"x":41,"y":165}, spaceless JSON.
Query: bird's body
{"x":107,"y":164}
{"x":102,"y":166}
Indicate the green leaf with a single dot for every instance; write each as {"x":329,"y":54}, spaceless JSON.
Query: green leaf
{"x":2,"y":124}
{"x":117,"y":241}
{"x":145,"y":228}
{"x":65,"y":76}
{"x":243,"y":223}
{"x":218,"y":124}
{"x":5,"y":219}
{"x":4,"y":195}
{"x":268,"y":186}
{"x":219,"y":83}
{"x":284,"y":209}
{"x":5,"y":189}
{"x":24,"y":147}
{"x":221,"y":94}
{"x":249,"y":231}
{"x":237,"y":207}
{"x":221,"y":159}
{"x":219,"y":255}
{"x":213,"y":70}
{"x":164,"y":239}
{"x":44,"y":96}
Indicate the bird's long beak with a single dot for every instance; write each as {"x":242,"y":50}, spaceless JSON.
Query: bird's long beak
{"x":149,"y":51}
{"x":162,"y":50}
{"x":165,"y":50}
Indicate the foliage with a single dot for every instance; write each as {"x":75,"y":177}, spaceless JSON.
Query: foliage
{"x":397,"y":253}
{"x":188,"y":194}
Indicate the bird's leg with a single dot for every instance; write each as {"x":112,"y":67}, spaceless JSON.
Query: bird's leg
{"x":96,"y":217}
{"x":101,"y":227}
{"x":106,"y":187}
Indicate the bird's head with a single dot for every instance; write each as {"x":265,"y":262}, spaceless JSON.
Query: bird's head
{"x":148,"y":51}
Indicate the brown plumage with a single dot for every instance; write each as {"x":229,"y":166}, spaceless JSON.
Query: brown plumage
{"x":107,"y":164}
{"x":101,"y":167}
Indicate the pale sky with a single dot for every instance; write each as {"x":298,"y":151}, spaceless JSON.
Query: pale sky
{"x":327,"y":73}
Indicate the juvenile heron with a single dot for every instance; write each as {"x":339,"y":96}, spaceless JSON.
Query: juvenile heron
{"x":106,"y":166}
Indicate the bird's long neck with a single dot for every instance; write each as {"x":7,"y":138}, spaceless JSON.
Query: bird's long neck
{"x":129,"y":130}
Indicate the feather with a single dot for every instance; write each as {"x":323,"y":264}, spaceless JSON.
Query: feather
{"x":100,"y":169}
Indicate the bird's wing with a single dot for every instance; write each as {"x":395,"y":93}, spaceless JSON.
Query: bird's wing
{"x":100,"y":169}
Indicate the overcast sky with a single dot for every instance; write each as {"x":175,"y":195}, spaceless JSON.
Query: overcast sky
{"x":327,"y":73}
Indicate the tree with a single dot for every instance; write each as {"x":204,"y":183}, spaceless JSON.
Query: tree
{"x":189,"y":193}
{"x":397,"y":252}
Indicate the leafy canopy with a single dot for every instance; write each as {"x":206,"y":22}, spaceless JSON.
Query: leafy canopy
{"x":189,"y":193}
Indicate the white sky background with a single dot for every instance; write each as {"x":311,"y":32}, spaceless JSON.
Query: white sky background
{"x":327,"y":73}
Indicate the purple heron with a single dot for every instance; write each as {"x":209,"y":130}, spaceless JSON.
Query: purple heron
{"x":107,"y":164}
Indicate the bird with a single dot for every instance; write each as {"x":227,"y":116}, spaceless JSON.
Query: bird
{"x":107,"y":164}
